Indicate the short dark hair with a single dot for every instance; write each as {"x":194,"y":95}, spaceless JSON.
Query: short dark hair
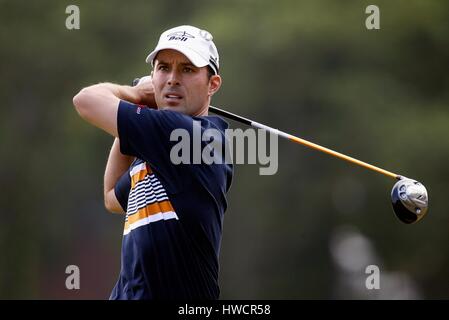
{"x":210,"y":72}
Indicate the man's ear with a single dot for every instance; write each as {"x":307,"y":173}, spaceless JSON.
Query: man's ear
{"x":214,"y":84}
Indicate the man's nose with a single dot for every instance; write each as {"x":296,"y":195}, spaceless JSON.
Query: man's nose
{"x":173,"y":79}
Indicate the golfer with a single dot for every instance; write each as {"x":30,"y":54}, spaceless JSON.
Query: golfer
{"x":174,"y":212}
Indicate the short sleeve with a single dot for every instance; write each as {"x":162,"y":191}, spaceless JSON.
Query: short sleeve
{"x":145,"y":133}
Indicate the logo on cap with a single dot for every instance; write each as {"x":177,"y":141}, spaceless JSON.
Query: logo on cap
{"x":180,"y":36}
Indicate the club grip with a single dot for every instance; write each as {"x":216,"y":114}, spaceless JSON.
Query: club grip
{"x":135,"y":82}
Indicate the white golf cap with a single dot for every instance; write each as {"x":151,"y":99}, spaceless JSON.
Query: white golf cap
{"x":194,"y":43}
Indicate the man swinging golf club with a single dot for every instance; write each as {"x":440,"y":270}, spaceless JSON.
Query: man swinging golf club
{"x":174,"y":213}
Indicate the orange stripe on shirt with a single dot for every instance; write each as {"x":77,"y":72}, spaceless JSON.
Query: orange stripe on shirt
{"x":154,"y":208}
{"x":139,"y":176}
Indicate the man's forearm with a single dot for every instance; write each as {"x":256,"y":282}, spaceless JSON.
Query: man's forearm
{"x":98,"y":104}
{"x":117,"y":164}
{"x":141,"y":94}
{"x":122,"y":92}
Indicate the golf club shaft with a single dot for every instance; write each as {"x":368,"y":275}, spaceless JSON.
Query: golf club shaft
{"x":306,"y":143}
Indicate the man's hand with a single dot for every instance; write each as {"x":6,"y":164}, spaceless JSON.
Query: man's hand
{"x":144,"y":90}
{"x":142,"y":93}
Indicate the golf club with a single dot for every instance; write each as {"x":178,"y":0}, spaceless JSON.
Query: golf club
{"x":409,"y":197}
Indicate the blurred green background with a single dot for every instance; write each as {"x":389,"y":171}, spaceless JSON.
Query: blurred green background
{"x":310,"y":68}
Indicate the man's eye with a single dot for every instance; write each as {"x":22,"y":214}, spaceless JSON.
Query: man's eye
{"x":188,"y":69}
{"x":163,"y":68}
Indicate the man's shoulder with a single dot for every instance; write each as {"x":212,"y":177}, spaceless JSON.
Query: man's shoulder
{"x":212,"y":122}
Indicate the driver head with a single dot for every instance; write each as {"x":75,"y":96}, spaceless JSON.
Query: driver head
{"x":410,"y":200}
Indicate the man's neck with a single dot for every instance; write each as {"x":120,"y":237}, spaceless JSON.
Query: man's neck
{"x":202,"y":112}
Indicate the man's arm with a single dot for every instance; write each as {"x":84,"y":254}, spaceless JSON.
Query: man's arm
{"x":98,"y":104}
{"x":115,"y":168}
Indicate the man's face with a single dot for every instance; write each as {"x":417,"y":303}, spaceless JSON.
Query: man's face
{"x":180,"y":86}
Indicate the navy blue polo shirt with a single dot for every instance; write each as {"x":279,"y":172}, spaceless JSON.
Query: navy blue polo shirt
{"x":174,"y":212}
